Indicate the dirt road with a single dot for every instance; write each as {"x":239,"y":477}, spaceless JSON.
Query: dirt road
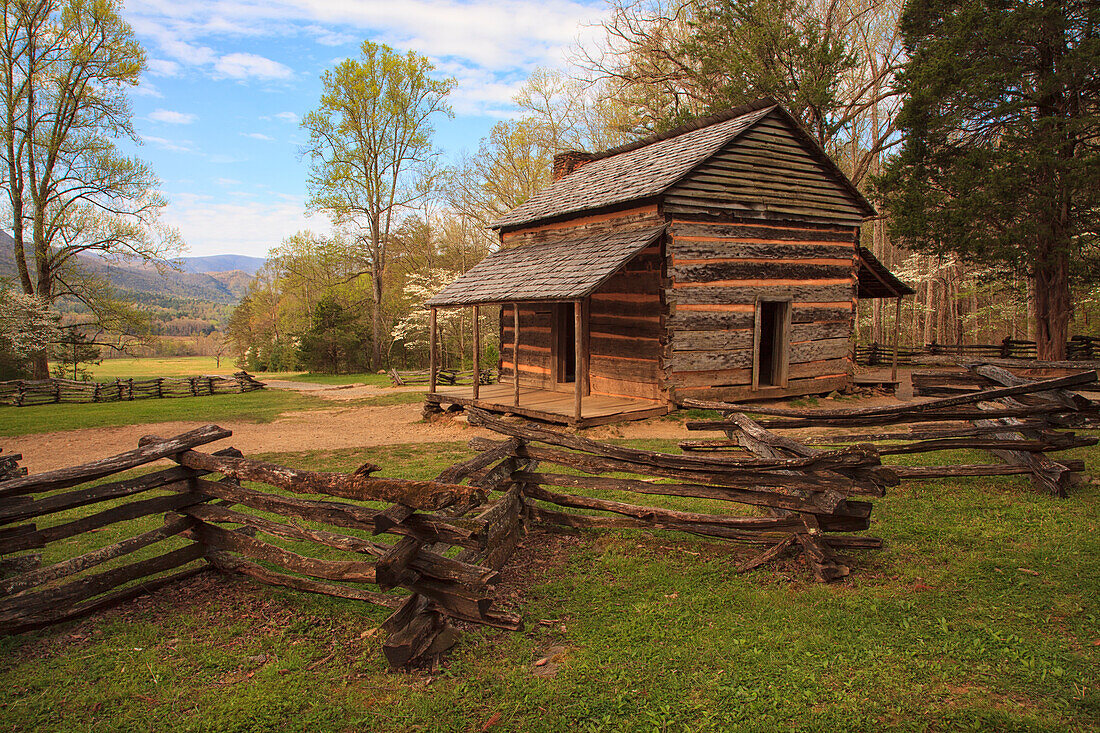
{"x":341,"y":427}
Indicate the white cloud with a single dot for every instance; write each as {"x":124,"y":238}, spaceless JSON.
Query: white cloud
{"x":250,"y":65}
{"x":172,"y":117}
{"x":329,"y":37}
{"x":287,"y":117}
{"x":163,"y":67}
{"x":146,"y":88}
{"x":213,"y":225}
{"x":493,"y":43}
{"x":259,"y":136}
{"x":227,"y":182}
{"x":172,"y":146}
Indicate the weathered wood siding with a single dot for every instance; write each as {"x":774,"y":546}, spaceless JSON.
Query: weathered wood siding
{"x":535,"y":329}
{"x":719,"y":270}
{"x":534,"y":344}
{"x":768,"y":172}
{"x":627,"y":322}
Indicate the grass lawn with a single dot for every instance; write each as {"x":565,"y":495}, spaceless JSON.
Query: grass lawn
{"x":982,"y":613}
{"x":179,"y":366}
{"x":377,"y":380}
{"x":259,"y":406}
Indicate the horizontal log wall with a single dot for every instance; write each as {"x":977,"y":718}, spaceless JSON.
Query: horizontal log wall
{"x":614,"y":312}
{"x":535,"y":352}
{"x":626,"y":329}
{"x":719,"y":270}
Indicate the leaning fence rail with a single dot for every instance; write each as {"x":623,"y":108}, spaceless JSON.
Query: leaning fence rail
{"x":1020,"y":421}
{"x":26,"y":392}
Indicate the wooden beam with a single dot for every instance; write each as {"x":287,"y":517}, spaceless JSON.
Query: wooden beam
{"x":897,"y":329}
{"x":515,"y":354}
{"x":578,"y":354}
{"x":431,"y":351}
{"x":477,"y":351}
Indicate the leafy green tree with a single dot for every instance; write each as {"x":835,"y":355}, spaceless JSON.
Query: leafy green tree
{"x":71,"y":351}
{"x":1001,"y":161}
{"x":370,"y":145}
{"x":745,"y":49}
{"x":335,"y":341}
{"x":65,"y":67}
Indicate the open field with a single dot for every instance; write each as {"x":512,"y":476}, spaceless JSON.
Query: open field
{"x":189,"y":366}
{"x":259,"y":406}
{"x":180,"y":366}
{"x":987,"y":620}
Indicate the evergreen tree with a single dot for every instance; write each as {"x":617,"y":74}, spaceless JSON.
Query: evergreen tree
{"x":1001,"y":123}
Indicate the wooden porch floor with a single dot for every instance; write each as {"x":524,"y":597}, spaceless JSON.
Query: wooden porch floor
{"x":550,"y":406}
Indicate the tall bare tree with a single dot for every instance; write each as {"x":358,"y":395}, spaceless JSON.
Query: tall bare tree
{"x":370,"y":145}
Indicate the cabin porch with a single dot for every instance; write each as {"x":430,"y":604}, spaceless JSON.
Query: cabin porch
{"x":549,"y":405}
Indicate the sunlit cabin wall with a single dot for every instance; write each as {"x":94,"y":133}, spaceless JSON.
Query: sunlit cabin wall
{"x":535,"y":351}
{"x":718,"y":271}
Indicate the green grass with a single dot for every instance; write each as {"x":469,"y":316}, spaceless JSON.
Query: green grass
{"x":981,"y":614}
{"x":377,"y":380}
{"x":259,"y":406}
{"x":180,"y":366}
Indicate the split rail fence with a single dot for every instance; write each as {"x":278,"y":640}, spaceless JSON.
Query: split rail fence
{"x":447,"y":540}
{"x":26,"y":392}
{"x":210,"y":521}
{"x":1078,"y":348}
{"x":443,"y":376}
{"x":1018,"y":420}
{"x":812,"y":501}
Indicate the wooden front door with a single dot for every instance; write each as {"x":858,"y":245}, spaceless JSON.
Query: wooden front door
{"x":563,"y":343}
{"x":771,"y":344}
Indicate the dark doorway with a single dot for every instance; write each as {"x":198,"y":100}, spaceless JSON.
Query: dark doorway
{"x":771,"y":356}
{"x":565,"y":344}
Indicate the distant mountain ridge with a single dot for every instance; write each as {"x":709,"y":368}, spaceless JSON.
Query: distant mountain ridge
{"x":217,"y":279}
{"x":221,"y":263}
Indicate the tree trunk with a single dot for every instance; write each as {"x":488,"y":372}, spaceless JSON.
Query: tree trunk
{"x":1052,"y":304}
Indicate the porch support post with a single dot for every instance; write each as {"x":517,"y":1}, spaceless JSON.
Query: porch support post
{"x":431,"y":352}
{"x":515,"y":354}
{"x":897,"y":330}
{"x":477,"y":352}
{"x":578,"y":353}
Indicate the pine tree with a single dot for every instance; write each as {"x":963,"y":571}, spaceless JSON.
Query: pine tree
{"x":1000,"y":161}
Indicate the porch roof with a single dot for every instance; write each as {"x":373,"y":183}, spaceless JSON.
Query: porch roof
{"x":876,"y":281}
{"x":565,"y":270}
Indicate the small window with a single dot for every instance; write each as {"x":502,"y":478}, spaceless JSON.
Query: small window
{"x":772,"y":344}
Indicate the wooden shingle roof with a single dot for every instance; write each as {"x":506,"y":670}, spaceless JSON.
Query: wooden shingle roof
{"x":562,"y":270}
{"x":649,"y":167}
{"x":876,"y":281}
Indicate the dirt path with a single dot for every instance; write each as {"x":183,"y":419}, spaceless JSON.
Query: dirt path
{"x":340,"y":427}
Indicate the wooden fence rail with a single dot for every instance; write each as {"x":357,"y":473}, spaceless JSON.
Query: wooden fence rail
{"x":809,"y":498}
{"x":394,"y":534}
{"x":443,"y":376}
{"x":1019,"y":420}
{"x":1078,"y":348}
{"x":23,"y":392}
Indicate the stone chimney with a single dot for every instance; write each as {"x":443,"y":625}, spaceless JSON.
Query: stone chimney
{"x":569,"y":161}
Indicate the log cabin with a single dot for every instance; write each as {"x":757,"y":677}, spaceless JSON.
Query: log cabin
{"x":718,"y":260}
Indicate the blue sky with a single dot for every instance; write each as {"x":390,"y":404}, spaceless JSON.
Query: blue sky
{"x":218,"y":108}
